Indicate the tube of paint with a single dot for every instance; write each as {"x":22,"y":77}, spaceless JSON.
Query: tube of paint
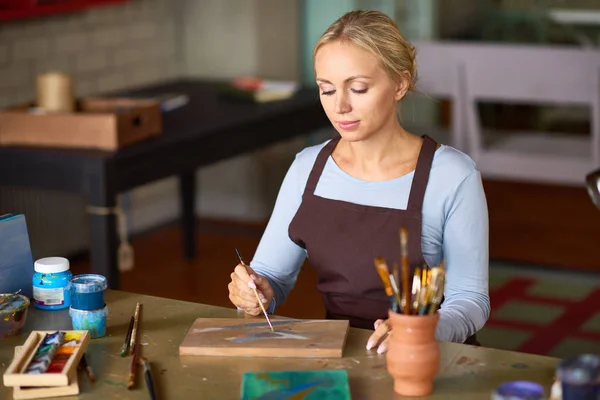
{"x":519,"y":390}
{"x":580,"y":377}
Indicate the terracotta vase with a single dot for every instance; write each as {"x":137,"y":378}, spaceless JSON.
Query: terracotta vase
{"x":413,"y":356}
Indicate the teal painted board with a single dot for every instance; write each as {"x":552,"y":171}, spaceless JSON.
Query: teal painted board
{"x":16,"y":260}
{"x":305,"y":385}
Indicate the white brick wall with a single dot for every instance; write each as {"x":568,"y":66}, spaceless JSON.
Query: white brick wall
{"x":104,"y":49}
{"x":135,"y":44}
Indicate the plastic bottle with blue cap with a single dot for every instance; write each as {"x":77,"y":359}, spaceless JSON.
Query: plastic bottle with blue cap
{"x":51,"y":283}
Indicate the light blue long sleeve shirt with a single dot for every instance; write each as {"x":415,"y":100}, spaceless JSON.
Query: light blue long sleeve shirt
{"x":455,"y":228}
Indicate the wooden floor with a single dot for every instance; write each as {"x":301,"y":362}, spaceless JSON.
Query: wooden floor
{"x":161,"y":270}
{"x":552,"y":226}
{"x":530,"y":224}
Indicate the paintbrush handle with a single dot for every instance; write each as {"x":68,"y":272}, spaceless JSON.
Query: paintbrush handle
{"x":125,"y":348}
{"x":148,"y":377}
{"x":262,"y":307}
{"x":150,"y":385}
{"x":91,"y":375}
{"x":133,"y":367}
{"x":260,"y":303}
{"x":136,"y":321}
{"x":131,"y":381}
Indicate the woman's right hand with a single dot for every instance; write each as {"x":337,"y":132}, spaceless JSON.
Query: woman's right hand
{"x":380,"y":337}
{"x":242,"y":295}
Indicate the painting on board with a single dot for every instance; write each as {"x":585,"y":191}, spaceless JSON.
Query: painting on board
{"x":305,"y":385}
{"x":251,"y":337}
{"x":16,"y":263}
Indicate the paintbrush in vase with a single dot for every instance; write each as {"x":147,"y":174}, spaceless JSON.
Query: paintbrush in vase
{"x":387,"y":279}
{"x":253,"y":287}
{"x":427,"y":288}
{"x":405,"y":274}
{"x":432,"y":292}
{"x":416,"y":290}
{"x":438,"y":284}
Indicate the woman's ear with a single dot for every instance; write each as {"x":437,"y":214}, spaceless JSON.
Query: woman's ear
{"x":402,"y":86}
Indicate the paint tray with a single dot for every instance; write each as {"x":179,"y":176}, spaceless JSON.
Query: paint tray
{"x":25,"y":393}
{"x":63,"y":363}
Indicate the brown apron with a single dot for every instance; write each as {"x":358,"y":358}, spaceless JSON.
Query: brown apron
{"x":342,"y":239}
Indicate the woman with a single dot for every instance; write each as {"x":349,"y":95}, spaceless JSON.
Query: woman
{"x":342,"y":202}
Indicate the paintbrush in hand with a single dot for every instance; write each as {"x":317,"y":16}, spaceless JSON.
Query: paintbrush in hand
{"x":253,"y":287}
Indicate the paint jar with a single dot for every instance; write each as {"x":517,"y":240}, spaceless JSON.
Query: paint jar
{"x":580,"y":377}
{"x":87,"y":291}
{"x":13,"y":313}
{"x":519,"y":390}
{"x":51,"y":287}
{"x":93,"y":321}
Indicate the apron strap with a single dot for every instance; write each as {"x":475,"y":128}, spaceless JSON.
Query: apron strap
{"x":421,"y":177}
{"x":319,"y":165}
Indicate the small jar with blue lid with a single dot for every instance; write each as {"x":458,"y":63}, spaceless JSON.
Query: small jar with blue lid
{"x":51,"y":283}
{"x":87,"y":292}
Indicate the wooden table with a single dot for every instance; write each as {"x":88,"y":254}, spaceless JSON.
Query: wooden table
{"x":466,"y":372}
{"x":206,"y":130}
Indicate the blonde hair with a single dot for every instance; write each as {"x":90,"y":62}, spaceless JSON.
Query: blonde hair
{"x":377,"y":33}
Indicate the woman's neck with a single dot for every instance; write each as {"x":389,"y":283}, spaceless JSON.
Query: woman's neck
{"x":389,"y":154}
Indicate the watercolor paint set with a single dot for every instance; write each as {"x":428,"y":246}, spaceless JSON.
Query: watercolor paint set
{"x":29,"y":393}
{"x":47,"y":359}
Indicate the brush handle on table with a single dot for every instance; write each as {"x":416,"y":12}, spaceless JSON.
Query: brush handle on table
{"x":149,"y":383}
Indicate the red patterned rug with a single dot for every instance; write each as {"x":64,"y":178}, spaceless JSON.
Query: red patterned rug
{"x":543,"y":316}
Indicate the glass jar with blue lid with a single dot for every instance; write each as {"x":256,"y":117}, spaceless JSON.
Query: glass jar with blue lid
{"x":51,"y":283}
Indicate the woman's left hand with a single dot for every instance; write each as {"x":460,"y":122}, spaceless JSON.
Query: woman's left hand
{"x":381,"y":334}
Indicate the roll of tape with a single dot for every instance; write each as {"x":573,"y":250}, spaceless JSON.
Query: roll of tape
{"x":55,"y":92}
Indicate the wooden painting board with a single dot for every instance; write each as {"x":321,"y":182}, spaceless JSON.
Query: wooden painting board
{"x":236,"y":337}
{"x":25,"y":393}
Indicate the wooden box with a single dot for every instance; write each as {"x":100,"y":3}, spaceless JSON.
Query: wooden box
{"x":98,"y":123}
{"x":27,"y":393}
{"x":15,"y":373}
